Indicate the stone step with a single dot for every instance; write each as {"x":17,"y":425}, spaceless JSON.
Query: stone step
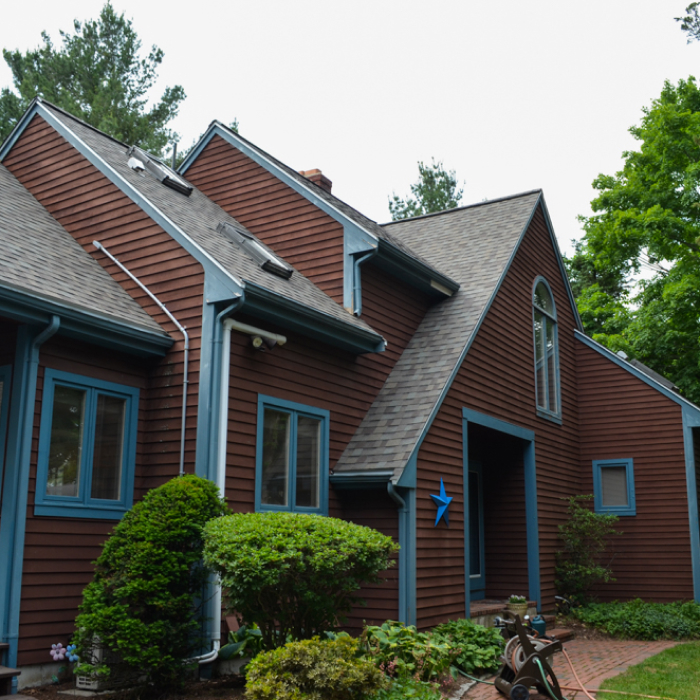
{"x":6,"y":676}
{"x":561,"y":634}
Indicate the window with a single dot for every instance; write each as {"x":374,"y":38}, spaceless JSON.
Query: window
{"x":546,"y":353}
{"x":87,"y":447}
{"x":613,"y":486}
{"x":292,"y":457}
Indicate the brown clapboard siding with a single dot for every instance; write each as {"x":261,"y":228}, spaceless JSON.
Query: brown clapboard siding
{"x":497,"y":378}
{"x":293,"y":227}
{"x":623,"y":417}
{"x":90,"y":207}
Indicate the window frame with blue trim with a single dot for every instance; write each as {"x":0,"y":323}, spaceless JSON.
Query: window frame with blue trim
{"x":288,"y":415}
{"x":107,"y":432}
{"x":547,"y":318}
{"x":599,"y":465}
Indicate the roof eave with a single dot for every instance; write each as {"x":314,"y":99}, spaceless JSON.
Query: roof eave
{"x":27,"y":307}
{"x":272,"y":307}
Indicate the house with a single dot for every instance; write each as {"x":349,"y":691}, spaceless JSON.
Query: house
{"x":237,"y":320}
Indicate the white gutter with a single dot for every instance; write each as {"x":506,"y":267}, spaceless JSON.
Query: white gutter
{"x":182,"y":330}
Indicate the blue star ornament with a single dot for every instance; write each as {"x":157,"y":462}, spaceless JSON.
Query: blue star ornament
{"x":443,"y":503}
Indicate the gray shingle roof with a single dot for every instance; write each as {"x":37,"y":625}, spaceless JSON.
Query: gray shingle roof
{"x":472,"y":245}
{"x":198,"y":217}
{"x":39,"y":257}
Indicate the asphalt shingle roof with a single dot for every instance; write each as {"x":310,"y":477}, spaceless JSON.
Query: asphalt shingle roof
{"x":38,"y":256}
{"x":472,"y":245}
{"x":198,"y":217}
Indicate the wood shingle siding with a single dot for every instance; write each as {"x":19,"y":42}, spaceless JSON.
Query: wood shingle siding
{"x":293,"y":227}
{"x":91,"y":208}
{"x":497,"y":379}
{"x":623,"y":417}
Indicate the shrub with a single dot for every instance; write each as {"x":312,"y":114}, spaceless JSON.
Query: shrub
{"x":585,"y":537}
{"x":293,"y":575}
{"x":141,"y":602}
{"x":400,"y":688}
{"x":313,"y":670}
{"x":479,"y":648}
{"x":402,"y":651}
{"x":644,"y":621}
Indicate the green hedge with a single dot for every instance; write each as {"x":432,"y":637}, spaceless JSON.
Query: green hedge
{"x":294,"y":576}
{"x":141,"y":603}
{"x":644,"y":621}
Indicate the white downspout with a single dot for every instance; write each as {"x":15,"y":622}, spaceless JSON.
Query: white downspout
{"x":228,"y":325}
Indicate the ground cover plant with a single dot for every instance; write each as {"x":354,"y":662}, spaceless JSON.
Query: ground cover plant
{"x":479,"y":648}
{"x":585,"y":537}
{"x":293,"y":575}
{"x":674,"y":673}
{"x":313,"y":669}
{"x":643,"y":621}
{"x":142,"y":602}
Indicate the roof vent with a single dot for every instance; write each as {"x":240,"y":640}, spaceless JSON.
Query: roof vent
{"x":140,"y":160}
{"x":267,"y":260}
{"x":622,"y":354}
{"x":318,"y":178}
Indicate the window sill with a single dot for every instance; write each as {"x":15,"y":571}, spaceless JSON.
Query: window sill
{"x":553,"y":417}
{"x":75,"y":510}
{"x":620,"y":512}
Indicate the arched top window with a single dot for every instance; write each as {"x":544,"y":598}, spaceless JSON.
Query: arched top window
{"x":546,"y":352}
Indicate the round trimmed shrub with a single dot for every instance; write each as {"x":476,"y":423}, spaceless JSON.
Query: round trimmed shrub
{"x":313,"y":670}
{"x":142,"y":605}
{"x":293,"y":575}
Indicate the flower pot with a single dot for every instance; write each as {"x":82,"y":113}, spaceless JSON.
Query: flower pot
{"x":517,"y":609}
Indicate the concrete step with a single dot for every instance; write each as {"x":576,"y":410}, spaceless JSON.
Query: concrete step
{"x":6,"y":676}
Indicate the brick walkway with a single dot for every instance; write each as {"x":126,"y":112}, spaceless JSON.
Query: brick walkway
{"x":594,"y":661}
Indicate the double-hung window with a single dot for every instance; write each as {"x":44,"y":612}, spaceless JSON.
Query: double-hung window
{"x":292,"y":457}
{"x":87,"y":447}
{"x":613,"y":486}
{"x":546,"y":352}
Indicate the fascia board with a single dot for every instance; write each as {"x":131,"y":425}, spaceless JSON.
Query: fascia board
{"x":448,"y":384}
{"x":689,"y":408}
{"x":560,"y":262}
{"x":82,"y":324}
{"x":262,"y":303}
{"x":360,"y":480}
{"x":210,"y":264}
{"x":416,"y":270}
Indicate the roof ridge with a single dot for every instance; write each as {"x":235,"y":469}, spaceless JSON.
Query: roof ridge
{"x":466,"y":206}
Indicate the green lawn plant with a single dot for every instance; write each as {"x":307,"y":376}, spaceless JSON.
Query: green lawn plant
{"x":401,"y":651}
{"x":585,"y":537}
{"x":142,"y":604}
{"x":480,"y":648}
{"x":674,"y":673}
{"x":643,"y":621}
{"x":245,"y":641}
{"x":293,"y":575}
{"x":313,"y":669}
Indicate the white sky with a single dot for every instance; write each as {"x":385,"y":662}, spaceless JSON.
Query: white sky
{"x":512,"y":95}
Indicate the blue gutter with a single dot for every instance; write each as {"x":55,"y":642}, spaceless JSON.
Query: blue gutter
{"x":16,"y":487}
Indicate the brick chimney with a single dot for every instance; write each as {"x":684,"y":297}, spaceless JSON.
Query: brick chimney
{"x":318,"y":178}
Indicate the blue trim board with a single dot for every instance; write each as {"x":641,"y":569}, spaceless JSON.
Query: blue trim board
{"x":83,"y":505}
{"x":530,"y":495}
{"x":16,"y":486}
{"x":467,"y":540}
{"x":691,"y":421}
{"x":598,"y":466}
{"x":294,"y":410}
{"x":6,"y":379}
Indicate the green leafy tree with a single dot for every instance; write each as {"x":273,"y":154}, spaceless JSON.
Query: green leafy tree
{"x":647,"y":217}
{"x":98,"y":75}
{"x":690,"y":24}
{"x":436,"y":190}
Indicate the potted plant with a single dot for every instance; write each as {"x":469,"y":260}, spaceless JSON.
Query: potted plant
{"x":517,"y":604}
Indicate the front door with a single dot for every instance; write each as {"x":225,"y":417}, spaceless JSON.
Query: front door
{"x":477,"y":575}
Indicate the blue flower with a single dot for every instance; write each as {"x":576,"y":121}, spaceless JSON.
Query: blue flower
{"x":70,"y":651}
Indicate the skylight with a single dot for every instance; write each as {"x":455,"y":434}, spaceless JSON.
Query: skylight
{"x":140,"y":160}
{"x":267,"y":260}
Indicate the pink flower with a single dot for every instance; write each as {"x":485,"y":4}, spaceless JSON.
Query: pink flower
{"x":58,"y":652}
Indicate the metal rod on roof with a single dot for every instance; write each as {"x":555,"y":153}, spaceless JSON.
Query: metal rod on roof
{"x":182,"y":330}
{"x":174,"y":154}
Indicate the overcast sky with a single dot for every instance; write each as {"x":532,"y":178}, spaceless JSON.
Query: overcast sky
{"x":511,"y":95}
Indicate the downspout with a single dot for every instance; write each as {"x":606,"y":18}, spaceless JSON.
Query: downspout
{"x":403,"y":553}
{"x":182,"y":330}
{"x":25,"y":425}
